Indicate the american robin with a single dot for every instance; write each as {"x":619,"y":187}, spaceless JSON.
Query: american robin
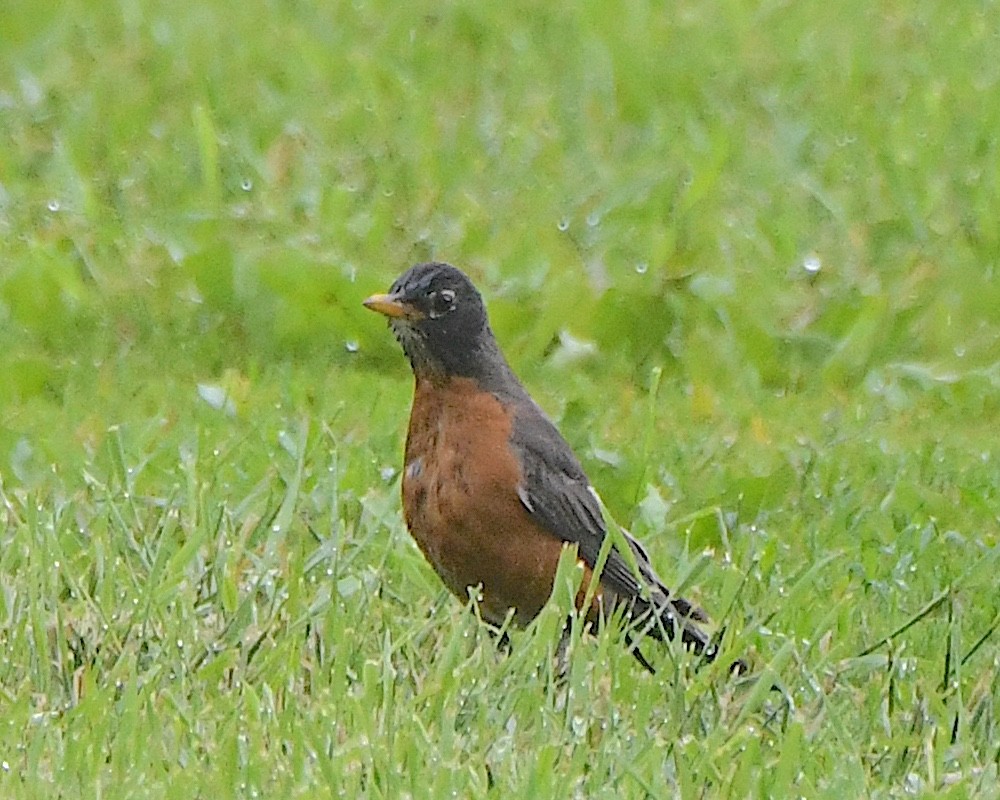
{"x":492,"y":493}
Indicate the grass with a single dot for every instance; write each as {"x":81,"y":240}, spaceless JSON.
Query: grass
{"x":746,"y":256}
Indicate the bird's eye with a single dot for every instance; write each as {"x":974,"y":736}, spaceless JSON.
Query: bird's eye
{"x":441,"y":303}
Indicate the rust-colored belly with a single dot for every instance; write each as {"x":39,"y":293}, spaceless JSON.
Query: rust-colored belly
{"x":461,"y":504}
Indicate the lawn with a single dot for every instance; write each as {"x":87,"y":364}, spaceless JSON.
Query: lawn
{"x":746,"y":255}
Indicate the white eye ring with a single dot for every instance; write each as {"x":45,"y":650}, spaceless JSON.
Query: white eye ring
{"x":444,"y":301}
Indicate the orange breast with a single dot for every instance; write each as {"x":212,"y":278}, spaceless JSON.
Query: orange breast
{"x":461,"y":505}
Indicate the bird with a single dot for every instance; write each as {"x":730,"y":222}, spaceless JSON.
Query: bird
{"x":491,"y":491}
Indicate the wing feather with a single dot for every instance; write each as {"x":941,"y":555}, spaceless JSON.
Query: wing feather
{"x":556,"y":492}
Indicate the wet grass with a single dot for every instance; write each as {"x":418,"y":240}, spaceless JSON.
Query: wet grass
{"x":747,"y":259}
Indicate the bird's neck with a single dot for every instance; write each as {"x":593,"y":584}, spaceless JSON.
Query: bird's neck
{"x":483,"y":362}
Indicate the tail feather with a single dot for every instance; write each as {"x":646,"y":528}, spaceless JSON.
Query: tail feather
{"x":662,"y":614}
{"x":662,"y":620}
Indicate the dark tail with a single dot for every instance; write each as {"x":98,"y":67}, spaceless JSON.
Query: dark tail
{"x":662,"y":616}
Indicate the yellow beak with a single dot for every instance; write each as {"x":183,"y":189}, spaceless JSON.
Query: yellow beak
{"x":387,"y":304}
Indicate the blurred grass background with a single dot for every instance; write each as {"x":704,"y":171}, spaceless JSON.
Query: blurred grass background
{"x":745,"y":254}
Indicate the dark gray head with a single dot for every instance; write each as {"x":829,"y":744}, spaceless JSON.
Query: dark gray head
{"x":439,"y":318}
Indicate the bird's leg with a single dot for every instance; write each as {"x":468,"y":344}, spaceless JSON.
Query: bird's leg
{"x":503,"y":643}
{"x":562,"y":651}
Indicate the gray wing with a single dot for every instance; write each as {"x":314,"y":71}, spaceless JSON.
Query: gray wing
{"x":556,"y":492}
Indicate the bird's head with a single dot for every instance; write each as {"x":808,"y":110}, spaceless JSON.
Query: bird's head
{"x":439,"y":318}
